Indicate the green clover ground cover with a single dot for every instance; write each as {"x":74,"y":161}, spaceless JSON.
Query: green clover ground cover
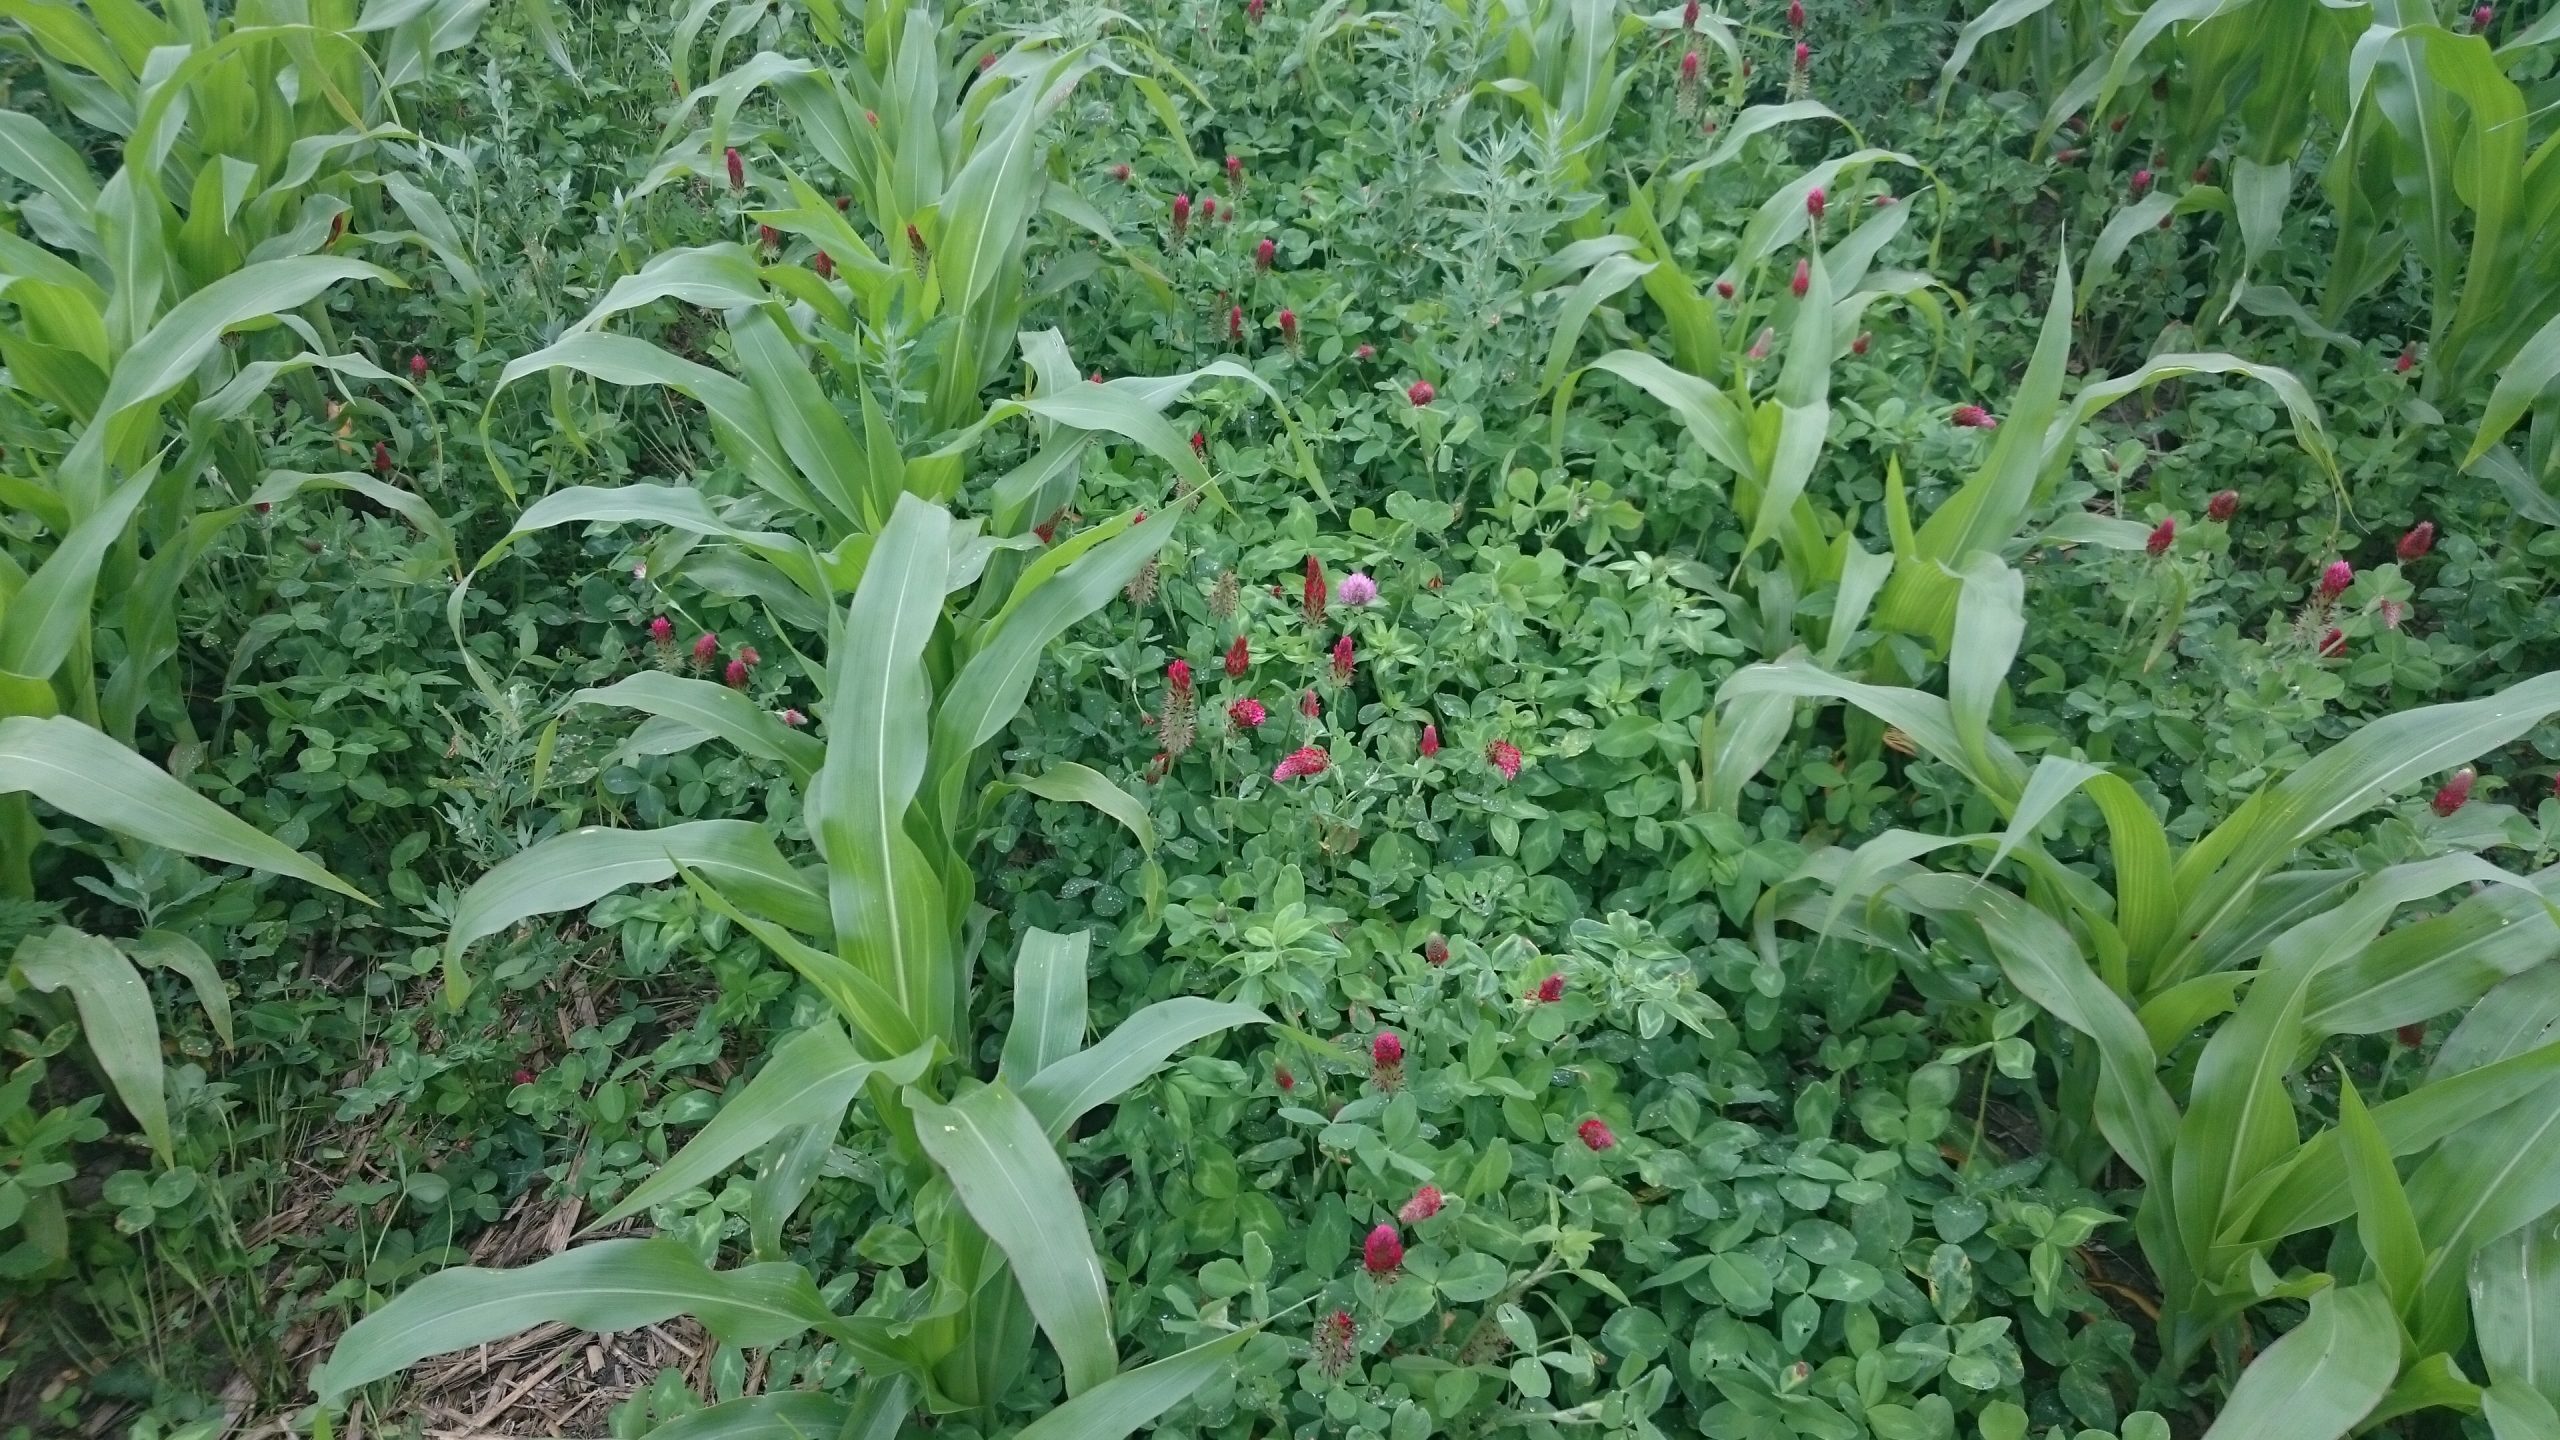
{"x":1231,"y":720}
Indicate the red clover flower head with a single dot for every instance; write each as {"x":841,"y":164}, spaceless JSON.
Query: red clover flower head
{"x":1383,"y":1251}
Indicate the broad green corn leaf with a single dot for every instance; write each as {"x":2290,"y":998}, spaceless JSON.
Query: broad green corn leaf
{"x":31,"y":152}
{"x":1782,"y":219}
{"x":2140,"y":218}
{"x":1862,"y":577}
{"x":180,"y":341}
{"x":876,"y":1015}
{"x":2218,"y":873}
{"x":604,"y":1287}
{"x":715,"y":708}
{"x":2487,"y":1179}
{"x":2053,"y":781}
{"x":1991,"y":506}
{"x":1126,"y":1403}
{"x":990,"y":687}
{"x":1118,"y":408}
{"x":574,"y":870}
{"x":1016,"y":1188}
{"x":674,"y":506}
{"x":2173,"y":1016}
{"x":2529,"y":375}
{"x":1753,"y":120}
{"x":791,"y":1415}
{"x":1804,"y":412}
{"x":800,"y":418}
{"x":2383,"y":1219}
{"x":1991,"y":621}
{"x":1738,"y":739}
{"x":116,"y":1018}
{"x":280,"y":485}
{"x":1710,"y":414}
{"x":1048,"y":1003}
{"x":2510,"y":1020}
{"x":2310,"y":1189}
{"x":715,"y":277}
{"x":81,"y":772}
{"x":2515,"y":1308}
{"x":2438,"y":964}
{"x":52,"y":613}
{"x":883,"y":894}
{"x":1065,"y":1089}
{"x":1070,"y":783}
{"x":2322,"y":1376}
{"x":2515,"y":1410}
{"x":170,"y":950}
{"x":623,"y":360}
{"x":427,"y":216}
{"x":2043,"y":961}
{"x":1996,"y":17}
{"x":1611,"y":275}
{"x":1927,"y":719}
{"x":812,"y":1077}
{"x":2240,"y":1121}
{"x":2287,"y":388}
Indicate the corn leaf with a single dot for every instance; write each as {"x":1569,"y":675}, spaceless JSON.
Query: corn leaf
{"x":1063,"y":1090}
{"x":2310,"y":1189}
{"x":791,"y":1415}
{"x":170,"y":950}
{"x":715,"y":708}
{"x":2383,"y":1219}
{"x":2322,"y":1377}
{"x":883,"y":893}
{"x":81,"y":772}
{"x":116,"y":1018}
{"x":1071,"y":783}
{"x":2217,"y":874}
{"x":1048,"y":1003}
{"x":811,"y":1079}
{"x":1126,"y":1403}
{"x":576,"y":869}
{"x":1013,"y":1184}
{"x":608,"y":1286}
{"x":2515,"y":1310}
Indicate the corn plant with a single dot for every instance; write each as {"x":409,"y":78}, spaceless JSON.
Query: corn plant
{"x":117,"y":504}
{"x":942,"y":156}
{"x":255,"y":132}
{"x":1770,"y":445}
{"x":2043,"y":46}
{"x":2438,"y":161}
{"x":1774,"y":445}
{"x":822,"y":493}
{"x":68,"y":977}
{"x":1558,"y":61}
{"x":240,"y":145}
{"x":1699,"y":332}
{"x":880,"y":926}
{"x":2136,"y":971}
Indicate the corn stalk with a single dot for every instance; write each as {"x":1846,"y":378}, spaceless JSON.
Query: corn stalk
{"x":877,"y":919}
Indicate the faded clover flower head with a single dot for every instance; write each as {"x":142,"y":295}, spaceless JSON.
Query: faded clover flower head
{"x":1356,"y":589}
